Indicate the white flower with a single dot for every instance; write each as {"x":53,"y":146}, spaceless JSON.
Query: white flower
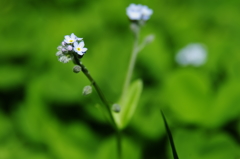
{"x":134,"y":11}
{"x":193,"y":54}
{"x":79,"y":48}
{"x":71,"y":39}
{"x":146,"y":13}
{"x":138,"y":12}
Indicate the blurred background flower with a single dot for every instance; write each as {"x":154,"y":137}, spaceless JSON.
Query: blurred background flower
{"x":192,"y":54}
{"x":43,"y":114}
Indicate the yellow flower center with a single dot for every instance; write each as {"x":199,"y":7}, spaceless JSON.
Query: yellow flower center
{"x":78,"y":48}
{"x":70,"y":41}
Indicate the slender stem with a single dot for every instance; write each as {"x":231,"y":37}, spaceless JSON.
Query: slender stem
{"x":119,"y":144}
{"x":101,"y":95}
{"x":103,"y":99}
{"x":131,"y":63}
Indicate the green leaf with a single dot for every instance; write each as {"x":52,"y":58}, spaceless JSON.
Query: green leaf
{"x":202,"y":144}
{"x":128,"y":104}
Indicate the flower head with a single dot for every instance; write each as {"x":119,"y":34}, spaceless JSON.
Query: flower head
{"x":193,"y":54}
{"x":79,"y":48}
{"x":146,"y":13}
{"x":69,"y":47}
{"x":138,"y":12}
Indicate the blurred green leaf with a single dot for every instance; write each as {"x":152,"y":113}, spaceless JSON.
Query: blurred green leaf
{"x":6,"y":127}
{"x":108,"y":149}
{"x":128,"y":104}
{"x":199,"y":144}
{"x":12,"y":76}
{"x":189,"y":95}
{"x":147,"y":122}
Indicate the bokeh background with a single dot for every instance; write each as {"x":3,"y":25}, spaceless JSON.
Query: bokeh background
{"x":43,"y":114}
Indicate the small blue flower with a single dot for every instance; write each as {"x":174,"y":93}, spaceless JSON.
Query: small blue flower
{"x":194,"y":54}
{"x":71,"y":39}
{"x":79,"y":48}
{"x":138,"y":12}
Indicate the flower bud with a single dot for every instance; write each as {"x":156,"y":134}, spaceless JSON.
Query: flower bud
{"x":77,"y":69}
{"x":59,"y":48}
{"x":59,"y":53}
{"x":87,"y":90}
{"x":69,"y":48}
{"x":63,"y":43}
{"x":64,"y":59}
{"x":64,"y":50}
{"x":149,"y":39}
{"x":116,"y":108}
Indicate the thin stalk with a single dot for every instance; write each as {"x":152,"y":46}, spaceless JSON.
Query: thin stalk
{"x":103,"y":99}
{"x":119,"y":144}
{"x":101,"y":95}
{"x":131,"y":63}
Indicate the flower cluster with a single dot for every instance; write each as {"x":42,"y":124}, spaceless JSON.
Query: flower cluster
{"x":194,"y":54}
{"x":71,"y":45}
{"x":137,"y":12}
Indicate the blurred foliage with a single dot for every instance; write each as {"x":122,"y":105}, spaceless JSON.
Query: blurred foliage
{"x":44,"y":116}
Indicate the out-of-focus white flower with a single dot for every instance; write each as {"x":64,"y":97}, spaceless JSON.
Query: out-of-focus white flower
{"x":146,"y":13}
{"x":79,"y":48}
{"x":138,"y":12}
{"x":193,"y":54}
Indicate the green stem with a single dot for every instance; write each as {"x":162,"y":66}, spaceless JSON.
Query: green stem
{"x":101,"y":95}
{"x":131,"y":63}
{"x":119,"y":144}
{"x":103,"y":99}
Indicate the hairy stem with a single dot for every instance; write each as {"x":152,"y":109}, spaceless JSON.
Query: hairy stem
{"x":101,"y":95}
{"x":131,"y":63}
{"x":103,"y":99}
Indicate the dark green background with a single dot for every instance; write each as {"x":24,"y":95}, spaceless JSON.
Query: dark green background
{"x":44,"y":116}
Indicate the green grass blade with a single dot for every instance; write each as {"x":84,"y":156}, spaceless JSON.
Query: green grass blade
{"x":174,"y":151}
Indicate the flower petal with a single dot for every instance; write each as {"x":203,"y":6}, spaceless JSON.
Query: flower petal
{"x":75,"y":44}
{"x":80,"y":53}
{"x":81,"y":44}
{"x":84,"y":49}
{"x":73,"y":36}
{"x":67,"y":37}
